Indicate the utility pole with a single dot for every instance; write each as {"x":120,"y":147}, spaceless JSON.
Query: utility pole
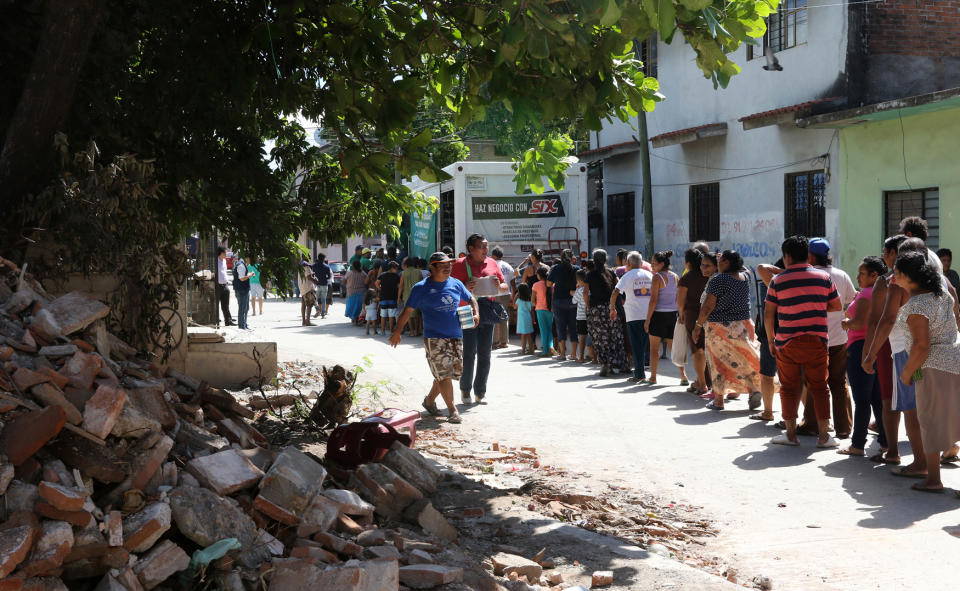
{"x":647,"y":202}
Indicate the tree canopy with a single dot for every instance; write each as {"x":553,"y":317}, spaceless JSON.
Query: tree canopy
{"x":195,"y":88}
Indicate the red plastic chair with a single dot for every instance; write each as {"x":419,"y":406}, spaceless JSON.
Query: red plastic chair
{"x":398,"y":419}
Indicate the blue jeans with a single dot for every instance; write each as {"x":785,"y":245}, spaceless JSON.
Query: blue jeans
{"x":545,"y":322}
{"x":866,"y":396}
{"x":322,"y":299}
{"x":477,"y":345}
{"x":640,"y":345}
{"x":243,"y":305}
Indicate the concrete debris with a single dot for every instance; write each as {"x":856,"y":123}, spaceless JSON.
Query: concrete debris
{"x":288,"y":487}
{"x":504,"y":564}
{"x":160,"y":563}
{"x":424,"y":576}
{"x":225,"y":472}
{"x":601,"y":578}
{"x":432,"y":521}
{"x":75,"y":311}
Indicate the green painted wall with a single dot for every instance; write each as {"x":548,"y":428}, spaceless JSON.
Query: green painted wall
{"x":872,"y":161}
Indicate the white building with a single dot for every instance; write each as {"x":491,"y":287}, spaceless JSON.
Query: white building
{"x":730,"y":166}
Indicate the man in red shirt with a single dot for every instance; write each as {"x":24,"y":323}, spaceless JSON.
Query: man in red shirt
{"x":478,"y":341}
{"x":797,"y":303}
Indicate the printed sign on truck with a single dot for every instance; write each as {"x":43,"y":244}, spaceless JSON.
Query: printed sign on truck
{"x":518,"y":217}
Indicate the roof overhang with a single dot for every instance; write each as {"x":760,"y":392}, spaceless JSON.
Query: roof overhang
{"x":691,"y":134}
{"x":604,"y":152}
{"x":784,"y":115}
{"x":914,"y":105}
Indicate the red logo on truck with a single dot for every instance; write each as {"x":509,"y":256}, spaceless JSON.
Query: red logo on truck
{"x":544,"y":206}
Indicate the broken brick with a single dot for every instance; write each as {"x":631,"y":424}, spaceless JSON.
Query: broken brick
{"x":25,"y":378}
{"x":349,"y":501}
{"x":142,"y":529}
{"x":50,"y":395}
{"x":313,"y":552}
{"x":15,"y":544}
{"x":80,"y":370}
{"x":65,"y":498}
{"x":337,"y":544}
{"x":27,"y":433}
{"x":6,"y":353}
{"x":148,"y":462}
{"x":413,"y":467}
{"x":58,"y":380}
{"x":225,"y":472}
{"x":76,"y":311}
{"x":148,"y":398}
{"x":52,"y":546}
{"x":102,"y":410}
{"x":97,"y":461}
{"x":389,"y":493}
{"x":77,"y":518}
{"x":504,"y":564}
{"x":160,"y":563}
{"x":601,"y":578}
{"x":431,"y":520}
{"x":289,"y":485}
{"x":424,"y":576}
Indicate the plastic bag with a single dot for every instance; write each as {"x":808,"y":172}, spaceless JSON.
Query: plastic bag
{"x":681,"y":346}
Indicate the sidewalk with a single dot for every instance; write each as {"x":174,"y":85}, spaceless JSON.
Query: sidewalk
{"x":807,"y":518}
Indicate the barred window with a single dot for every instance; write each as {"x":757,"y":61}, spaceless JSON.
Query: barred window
{"x":805,"y":206}
{"x":621,"y":210}
{"x":705,"y":212}
{"x":921,"y":202}
{"x":785,"y":29}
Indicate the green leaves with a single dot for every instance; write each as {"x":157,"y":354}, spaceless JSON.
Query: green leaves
{"x":611,"y":13}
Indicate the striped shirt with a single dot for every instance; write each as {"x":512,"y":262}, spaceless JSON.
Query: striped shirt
{"x":801,"y":294}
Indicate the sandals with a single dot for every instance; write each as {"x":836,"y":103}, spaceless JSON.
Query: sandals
{"x":684,"y":382}
{"x":906,"y":473}
{"x":714,"y":406}
{"x":759,"y":417}
{"x":431,"y":408}
{"x":455,"y":418}
{"x":782,"y":439}
{"x":949,"y":460}
{"x":846,"y":452}
{"x":920,"y":487}
{"x":881,"y":458}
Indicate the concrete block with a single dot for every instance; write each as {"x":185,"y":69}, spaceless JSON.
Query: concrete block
{"x":504,"y":564}
{"x":225,"y":472}
{"x":413,"y":467}
{"x":289,"y":485}
{"x":75,"y":311}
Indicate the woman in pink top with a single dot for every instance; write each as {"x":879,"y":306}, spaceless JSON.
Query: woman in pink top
{"x":541,"y":303}
{"x":865,"y":386}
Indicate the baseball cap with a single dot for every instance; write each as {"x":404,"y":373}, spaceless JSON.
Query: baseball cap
{"x":819,"y":246}
{"x":440,"y":257}
{"x":365,"y":251}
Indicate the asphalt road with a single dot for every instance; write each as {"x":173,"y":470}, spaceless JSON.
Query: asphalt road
{"x":807,"y":518}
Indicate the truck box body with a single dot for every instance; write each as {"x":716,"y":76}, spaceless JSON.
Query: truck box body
{"x":481,"y":198}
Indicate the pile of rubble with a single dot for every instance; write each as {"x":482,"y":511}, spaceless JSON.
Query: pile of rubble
{"x":117,"y":473}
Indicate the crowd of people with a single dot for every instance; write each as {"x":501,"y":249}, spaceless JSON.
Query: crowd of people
{"x":890,"y":340}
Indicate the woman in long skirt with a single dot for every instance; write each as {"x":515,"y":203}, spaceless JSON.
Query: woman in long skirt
{"x":605,"y":333}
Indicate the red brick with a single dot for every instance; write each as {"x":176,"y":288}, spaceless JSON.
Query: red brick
{"x":5,"y":353}
{"x":50,"y":395}
{"x":77,"y":518}
{"x":314,"y":552}
{"x":83,"y":345}
{"x":150,"y":461}
{"x":142,"y":529}
{"x":65,"y":498}
{"x":113,"y":522}
{"x":102,"y":410}
{"x":160,"y":563}
{"x":15,"y":544}
{"x":26,"y":379}
{"x":27,"y":433}
{"x":58,"y":380}
{"x":149,"y":400}
{"x":81,"y":370}
{"x":11,"y":584}
{"x":50,"y":549}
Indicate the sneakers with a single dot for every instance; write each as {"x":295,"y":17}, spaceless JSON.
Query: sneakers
{"x":465,"y":397}
{"x":481,"y":399}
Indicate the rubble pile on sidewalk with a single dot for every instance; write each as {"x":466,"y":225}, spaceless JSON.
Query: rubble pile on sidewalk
{"x":116,"y":473}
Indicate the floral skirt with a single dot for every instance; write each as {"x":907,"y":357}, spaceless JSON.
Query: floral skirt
{"x":607,"y":337}
{"x":734,"y":356}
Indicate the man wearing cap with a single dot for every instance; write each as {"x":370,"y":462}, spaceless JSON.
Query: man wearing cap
{"x":437,"y":298}
{"x":478,"y":341}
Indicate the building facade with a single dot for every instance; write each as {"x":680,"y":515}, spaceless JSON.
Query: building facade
{"x":745,"y":166}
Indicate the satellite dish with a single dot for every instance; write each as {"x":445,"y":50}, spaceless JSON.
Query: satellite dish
{"x":317,"y":138}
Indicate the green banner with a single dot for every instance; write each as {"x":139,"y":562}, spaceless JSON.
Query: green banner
{"x":423,"y":234}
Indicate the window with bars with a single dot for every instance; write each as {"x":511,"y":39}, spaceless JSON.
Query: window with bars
{"x":924,"y":203}
{"x":805,"y":206}
{"x":785,"y":29}
{"x":705,"y":212}
{"x":647,"y":53}
{"x":620,"y":218}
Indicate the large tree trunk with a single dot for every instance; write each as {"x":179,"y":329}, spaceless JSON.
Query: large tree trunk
{"x":68,"y":27}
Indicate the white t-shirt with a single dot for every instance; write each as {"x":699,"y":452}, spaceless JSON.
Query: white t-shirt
{"x":637,"y":286}
{"x":222,"y":278}
{"x":847,"y":292}
{"x":508,"y":273}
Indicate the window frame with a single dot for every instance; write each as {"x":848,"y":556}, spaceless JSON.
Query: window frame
{"x":933,"y":238}
{"x":711,"y":220}
{"x":647,"y":51}
{"x":814,"y":227}
{"x":617,"y":223}
{"x":788,"y":11}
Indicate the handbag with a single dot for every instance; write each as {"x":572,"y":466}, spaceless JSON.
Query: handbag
{"x":680,"y":353}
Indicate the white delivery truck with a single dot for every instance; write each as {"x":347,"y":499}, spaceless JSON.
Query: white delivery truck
{"x":481,"y":198}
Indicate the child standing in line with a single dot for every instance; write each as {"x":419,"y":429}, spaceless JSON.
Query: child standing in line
{"x":581,"y":317}
{"x":370,"y":310}
{"x":541,"y":302}
{"x":524,"y":318}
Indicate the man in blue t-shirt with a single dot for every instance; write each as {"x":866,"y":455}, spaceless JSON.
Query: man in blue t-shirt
{"x":437,"y":298}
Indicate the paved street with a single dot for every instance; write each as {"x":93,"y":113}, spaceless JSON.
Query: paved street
{"x":845,"y":522}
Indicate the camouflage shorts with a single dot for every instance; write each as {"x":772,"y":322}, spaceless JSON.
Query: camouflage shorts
{"x":445,"y":357}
